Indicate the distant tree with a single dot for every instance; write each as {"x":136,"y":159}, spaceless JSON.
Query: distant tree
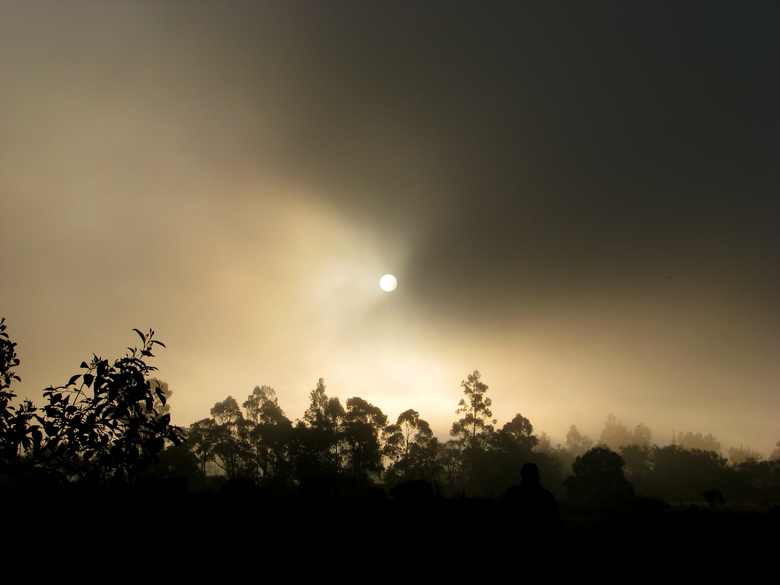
{"x":639,"y":465}
{"x":598,"y":480}
{"x":714,"y":497}
{"x":200,"y":441}
{"x":615,"y":434}
{"x":642,"y":436}
{"x":755,"y":481}
{"x":475,"y":426}
{"x":576,"y":443}
{"x":690,"y":441}
{"x":262,"y":406}
{"x":545,"y":444}
{"x":682,"y":475}
{"x":227,"y":413}
{"x":742,"y":455}
{"x":176,"y":462}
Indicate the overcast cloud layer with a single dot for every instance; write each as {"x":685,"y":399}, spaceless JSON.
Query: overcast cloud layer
{"x":579,"y":200}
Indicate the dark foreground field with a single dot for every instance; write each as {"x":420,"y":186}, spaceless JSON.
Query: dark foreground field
{"x":193,"y":535}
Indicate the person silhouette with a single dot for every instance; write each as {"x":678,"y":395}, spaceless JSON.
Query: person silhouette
{"x":530,"y":506}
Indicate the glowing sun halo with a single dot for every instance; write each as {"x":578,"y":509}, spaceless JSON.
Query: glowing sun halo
{"x":388,"y":283}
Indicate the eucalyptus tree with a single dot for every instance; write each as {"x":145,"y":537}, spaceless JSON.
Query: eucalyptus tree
{"x":476,"y":424}
{"x":317,"y":438}
{"x":363,"y":427}
{"x":229,"y":436}
{"x":270,"y":435}
{"x":474,"y":432}
{"x":411,"y":449}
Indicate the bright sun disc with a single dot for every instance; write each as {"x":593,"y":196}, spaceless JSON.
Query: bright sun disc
{"x":388,"y":283}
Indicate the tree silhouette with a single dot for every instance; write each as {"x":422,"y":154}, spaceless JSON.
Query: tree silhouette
{"x":316,"y":443}
{"x":684,"y":474}
{"x":411,"y":449}
{"x":230,"y":439}
{"x":598,"y":481}
{"x":689,"y":440}
{"x":103,"y":423}
{"x":19,"y":436}
{"x":615,"y":434}
{"x":576,"y":443}
{"x":270,"y":436}
{"x":475,"y":426}
{"x":364,"y":424}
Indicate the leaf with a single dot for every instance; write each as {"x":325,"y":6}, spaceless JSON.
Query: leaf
{"x":141,"y":335}
{"x":73,"y":380}
{"x":88,"y":378}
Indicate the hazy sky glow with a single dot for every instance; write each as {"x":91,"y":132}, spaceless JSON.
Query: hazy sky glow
{"x":580,"y":201}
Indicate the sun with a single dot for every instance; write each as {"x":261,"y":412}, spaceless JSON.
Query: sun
{"x":388,"y":283}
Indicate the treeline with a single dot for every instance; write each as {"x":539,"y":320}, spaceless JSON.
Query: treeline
{"x":110,"y":425}
{"x":348,"y":449}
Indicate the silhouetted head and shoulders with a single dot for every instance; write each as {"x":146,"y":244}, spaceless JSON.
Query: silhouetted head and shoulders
{"x":531,"y":505}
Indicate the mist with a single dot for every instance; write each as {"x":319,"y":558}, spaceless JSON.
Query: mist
{"x":578,"y":201}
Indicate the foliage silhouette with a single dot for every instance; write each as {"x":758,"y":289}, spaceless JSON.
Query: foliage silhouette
{"x":474,"y":427}
{"x":111,"y":423}
{"x":19,"y":436}
{"x":107,"y":424}
{"x":363,"y":427}
{"x":411,"y":449}
{"x":103,"y":424}
{"x":598,"y":481}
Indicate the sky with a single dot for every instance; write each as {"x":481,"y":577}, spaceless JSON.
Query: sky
{"x":579,"y":200}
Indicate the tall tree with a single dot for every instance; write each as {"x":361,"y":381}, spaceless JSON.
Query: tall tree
{"x":262,"y":406}
{"x":576,"y":443}
{"x":317,"y":437}
{"x":411,"y":449}
{"x":642,"y":435}
{"x":520,"y":431}
{"x":615,"y":434}
{"x":200,"y":441}
{"x":476,"y":425}
{"x":270,"y":437}
{"x":230,"y":437}
{"x":363,"y":427}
